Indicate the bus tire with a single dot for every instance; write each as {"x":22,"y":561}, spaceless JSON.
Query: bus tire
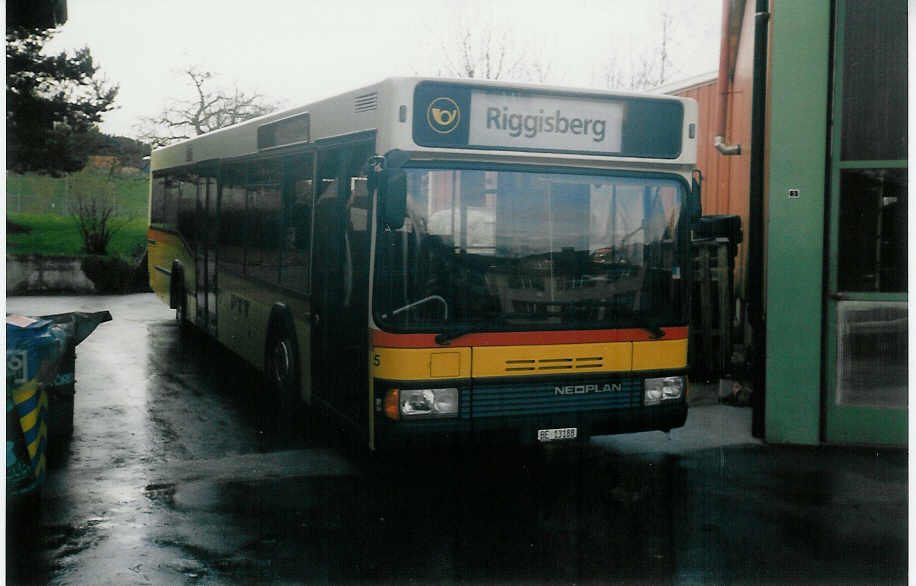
{"x":181,"y":309}
{"x":178,"y":297}
{"x":281,"y":366}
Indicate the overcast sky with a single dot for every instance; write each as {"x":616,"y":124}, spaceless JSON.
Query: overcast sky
{"x":296,"y":51}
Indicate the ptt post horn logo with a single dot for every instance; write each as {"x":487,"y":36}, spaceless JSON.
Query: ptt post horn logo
{"x":443,"y":115}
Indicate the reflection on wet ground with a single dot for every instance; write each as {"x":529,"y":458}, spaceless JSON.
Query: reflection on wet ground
{"x":176,"y":475}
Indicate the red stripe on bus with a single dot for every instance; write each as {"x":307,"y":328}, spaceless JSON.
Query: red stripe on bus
{"x":390,"y":340}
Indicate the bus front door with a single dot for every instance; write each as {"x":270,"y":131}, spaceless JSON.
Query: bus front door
{"x":341,"y":283}
{"x":205,"y":255}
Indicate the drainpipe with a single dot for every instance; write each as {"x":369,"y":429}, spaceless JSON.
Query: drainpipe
{"x":724,"y":70}
{"x":755,"y":278}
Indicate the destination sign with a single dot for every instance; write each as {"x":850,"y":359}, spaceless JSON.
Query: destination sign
{"x":545,"y":122}
{"x":462,"y":116}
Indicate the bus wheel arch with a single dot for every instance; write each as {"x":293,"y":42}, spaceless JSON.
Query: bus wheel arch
{"x":281,"y":365}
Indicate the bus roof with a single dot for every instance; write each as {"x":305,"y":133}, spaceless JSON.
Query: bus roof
{"x":391,"y":108}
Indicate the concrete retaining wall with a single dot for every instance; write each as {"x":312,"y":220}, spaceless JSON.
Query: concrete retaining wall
{"x":35,"y":273}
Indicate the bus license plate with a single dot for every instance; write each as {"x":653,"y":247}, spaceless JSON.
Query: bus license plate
{"x":551,"y":435}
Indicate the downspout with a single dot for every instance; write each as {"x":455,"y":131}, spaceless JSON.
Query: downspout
{"x":755,"y":278}
{"x":724,"y":69}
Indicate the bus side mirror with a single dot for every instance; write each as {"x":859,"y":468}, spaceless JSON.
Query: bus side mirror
{"x":393,"y":197}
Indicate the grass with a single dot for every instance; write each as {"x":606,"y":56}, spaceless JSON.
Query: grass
{"x":59,"y":235}
{"x":42,"y":204}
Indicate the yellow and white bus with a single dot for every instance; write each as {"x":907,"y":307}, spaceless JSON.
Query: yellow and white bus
{"x":430,"y":259}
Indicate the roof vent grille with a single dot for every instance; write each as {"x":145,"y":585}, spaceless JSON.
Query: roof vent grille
{"x":365,"y":102}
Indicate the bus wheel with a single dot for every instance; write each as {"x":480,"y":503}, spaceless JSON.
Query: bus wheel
{"x":282,"y":373}
{"x":178,"y":297}
{"x":181,"y":309}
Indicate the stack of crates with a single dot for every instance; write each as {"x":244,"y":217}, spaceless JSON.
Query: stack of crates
{"x":714,"y":248}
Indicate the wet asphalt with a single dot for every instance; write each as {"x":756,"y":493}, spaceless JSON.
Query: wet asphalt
{"x":175,"y":475}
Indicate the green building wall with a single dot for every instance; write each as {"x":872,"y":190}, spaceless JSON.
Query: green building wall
{"x":797,"y":159}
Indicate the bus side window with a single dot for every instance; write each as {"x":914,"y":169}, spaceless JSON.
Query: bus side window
{"x":262,"y":260}
{"x":357,"y":236}
{"x":327,"y":281}
{"x":232,"y":219}
{"x":297,"y":235}
{"x":187,"y":208}
{"x":172,"y":194}
{"x":271,"y":212}
{"x":326,"y":247}
{"x":252,"y":233}
{"x":157,"y":202}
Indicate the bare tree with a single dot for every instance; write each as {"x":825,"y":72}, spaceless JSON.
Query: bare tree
{"x":207,"y":110}
{"x":664,"y":59}
{"x":93,"y":204}
{"x":481,"y":54}
{"x":649,"y":66}
{"x":540,"y":71}
{"x":640,"y":71}
{"x":484,"y":51}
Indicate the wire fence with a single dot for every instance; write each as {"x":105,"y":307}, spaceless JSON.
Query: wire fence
{"x":34,"y":194}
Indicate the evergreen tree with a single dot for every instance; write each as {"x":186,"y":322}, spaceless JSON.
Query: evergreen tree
{"x":52,"y":102}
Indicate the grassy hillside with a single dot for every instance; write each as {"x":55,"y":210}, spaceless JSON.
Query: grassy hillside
{"x":40,"y":205}
{"x":59,"y":235}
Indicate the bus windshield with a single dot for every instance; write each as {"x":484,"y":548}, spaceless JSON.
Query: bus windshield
{"x":498,"y":250}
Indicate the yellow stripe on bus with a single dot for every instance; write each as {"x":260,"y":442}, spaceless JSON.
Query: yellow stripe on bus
{"x":551,"y":359}
{"x":167,"y":248}
{"x":421,"y":363}
{"x":660,"y":354}
{"x":514,"y":361}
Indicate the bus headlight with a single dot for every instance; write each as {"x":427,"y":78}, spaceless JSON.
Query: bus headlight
{"x":420,"y":403}
{"x":666,"y":388}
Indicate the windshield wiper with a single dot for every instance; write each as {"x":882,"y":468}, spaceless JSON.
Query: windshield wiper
{"x":443,"y":338}
{"x":420,"y":302}
{"x":650,"y":326}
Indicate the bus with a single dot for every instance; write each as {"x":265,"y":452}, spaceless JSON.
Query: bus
{"x":430,"y":260}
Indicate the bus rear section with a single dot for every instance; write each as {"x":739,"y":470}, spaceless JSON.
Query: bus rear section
{"x":524,"y":303}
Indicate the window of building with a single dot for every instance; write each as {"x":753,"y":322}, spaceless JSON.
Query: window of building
{"x":872,"y":238}
{"x":869,"y":209}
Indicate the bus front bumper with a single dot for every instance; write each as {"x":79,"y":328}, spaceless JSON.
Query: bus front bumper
{"x":523,"y":430}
